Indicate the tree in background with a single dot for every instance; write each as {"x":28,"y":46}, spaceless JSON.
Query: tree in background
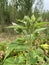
{"x":3,"y":9}
{"x":40,"y":5}
{"x":45,"y":15}
{"x":17,"y":9}
{"x":24,"y":7}
{"x":36,"y":12}
{"x":38,"y":8}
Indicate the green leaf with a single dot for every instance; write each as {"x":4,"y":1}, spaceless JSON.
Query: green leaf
{"x":11,"y":61}
{"x":30,"y":37}
{"x":33,"y":57}
{"x":41,"y":24}
{"x":16,"y":26}
{"x":39,"y":52}
{"x":9,"y":50}
{"x":17,"y":46}
{"x":26,"y":19}
{"x":33,"y":18}
{"x":40,"y":59}
{"x":39,"y":30}
{"x":21,"y":21}
{"x":21,"y":58}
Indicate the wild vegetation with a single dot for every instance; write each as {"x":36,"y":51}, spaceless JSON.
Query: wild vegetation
{"x":28,"y":42}
{"x":31,"y":48}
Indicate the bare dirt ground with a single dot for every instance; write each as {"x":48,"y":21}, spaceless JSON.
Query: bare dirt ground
{"x":7,"y":37}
